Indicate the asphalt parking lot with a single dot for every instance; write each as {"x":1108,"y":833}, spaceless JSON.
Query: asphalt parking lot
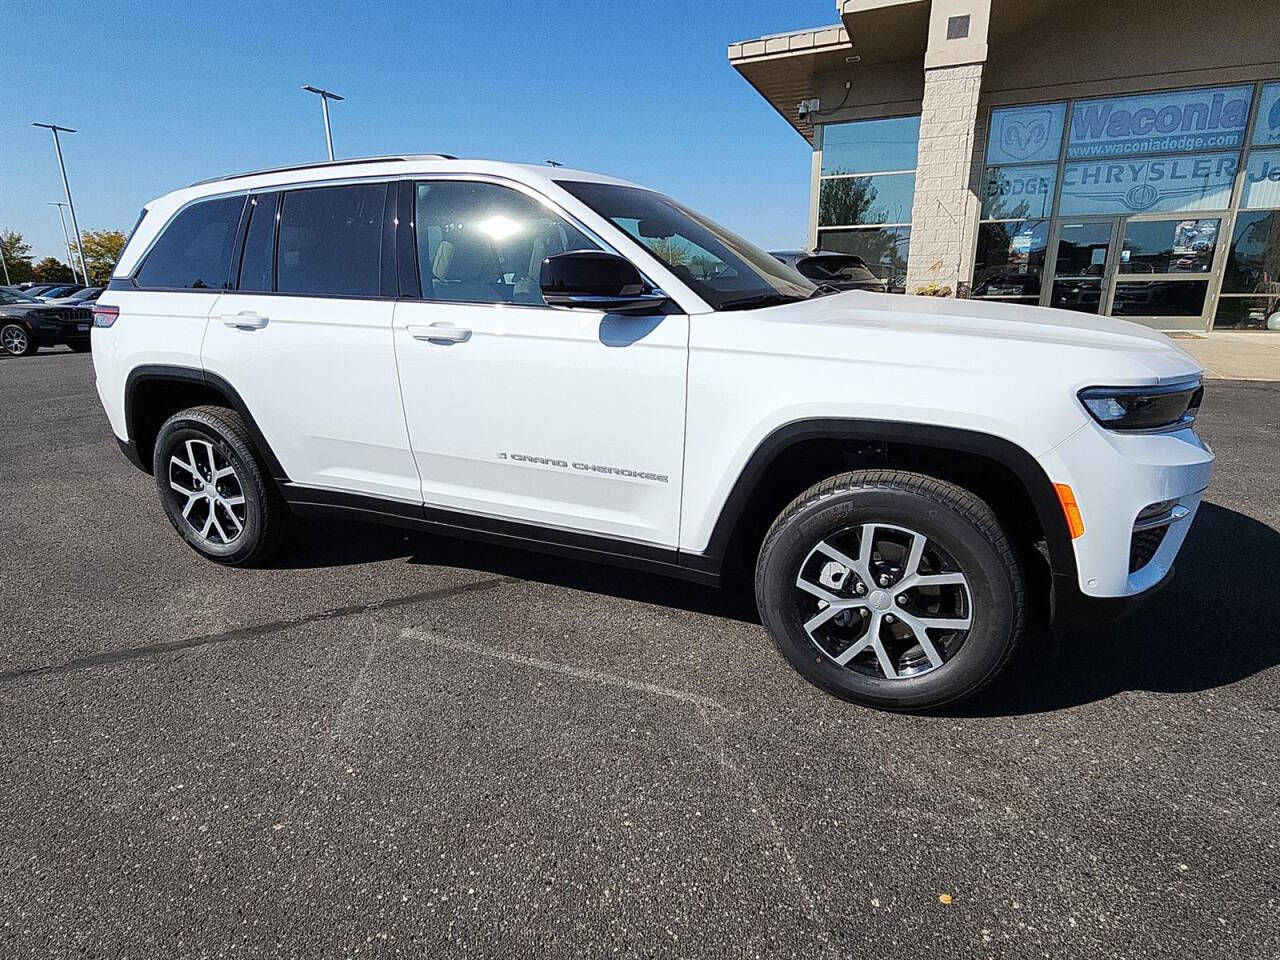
{"x":400,"y":745}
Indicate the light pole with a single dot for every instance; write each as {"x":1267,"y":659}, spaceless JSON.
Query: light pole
{"x":75,"y":225}
{"x":71,"y":259}
{"x":325,"y":97}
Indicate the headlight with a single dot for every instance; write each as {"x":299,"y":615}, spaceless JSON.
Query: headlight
{"x":1137,"y":409}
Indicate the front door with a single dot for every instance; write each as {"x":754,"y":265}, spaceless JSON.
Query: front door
{"x":523,"y":412}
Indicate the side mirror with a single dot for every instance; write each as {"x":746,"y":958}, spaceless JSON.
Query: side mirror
{"x":595,"y":280}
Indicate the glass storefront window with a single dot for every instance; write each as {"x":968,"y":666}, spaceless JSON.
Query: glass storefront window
{"x":1018,"y":193}
{"x":1159,"y":298}
{"x":1262,"y":179}
{"x":1253,"y":264}
{"x":1026,"y":134}
{"x":849,"y":201}
{"x":883,"y":249}
{"x":1010,"y":261}
{"x":1168,"y":246}
{"x":1176,"y":121}
{"x":1159,"y":184}
{"x":1266,"y":130}
{"x":870,"y":146}
{"x":1248,"y":313}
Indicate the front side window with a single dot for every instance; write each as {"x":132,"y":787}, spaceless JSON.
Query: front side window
{"x":194,"y":250}
{"x":8,"y":295}
{"x":330,"y":241}
{"x":485,"y":243}
{"x":725,"y":270}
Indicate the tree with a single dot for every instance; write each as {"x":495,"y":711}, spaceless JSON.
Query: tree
{"x":52,"y":270}
{"x":17,"y":256}
{"x":101,"y":251}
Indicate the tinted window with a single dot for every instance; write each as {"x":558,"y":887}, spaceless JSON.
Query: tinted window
{"x":482,"y":243}
{"x":257,"y":264}
{"x":870,"y":146}
{"x":834,"y":268}
{"x":1254,"y":263}
{"x":1168,"y":246}
{"x":1010,"y":260}
{"x":330,"y":241}
{"x":194,"y":251}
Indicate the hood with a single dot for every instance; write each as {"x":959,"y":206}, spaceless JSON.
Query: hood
{"x":1001,"y":324}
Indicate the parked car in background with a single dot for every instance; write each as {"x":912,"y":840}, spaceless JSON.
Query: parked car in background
{"x":61,"y":290}
{"x":27,"y":324}
{"x":85,"y":296}
{"x":843,"y":271}
{"x":36,"y":289}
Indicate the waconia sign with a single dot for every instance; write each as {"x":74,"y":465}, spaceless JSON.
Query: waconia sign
{"x":1175,"y":122}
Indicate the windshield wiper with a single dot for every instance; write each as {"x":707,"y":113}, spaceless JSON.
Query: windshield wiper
{"x":761,"y":300}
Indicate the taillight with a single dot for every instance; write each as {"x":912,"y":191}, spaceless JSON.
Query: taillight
{"x":105,"y":316}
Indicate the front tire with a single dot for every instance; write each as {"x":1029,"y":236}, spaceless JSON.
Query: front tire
{"x":16,"y":340}
{"x":214,"y":490}
{"x":892,"y":589}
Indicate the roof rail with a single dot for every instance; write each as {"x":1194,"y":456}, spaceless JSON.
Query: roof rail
{"x":326,"y":163}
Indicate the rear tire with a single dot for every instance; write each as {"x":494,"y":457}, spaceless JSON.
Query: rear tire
{"x":16,"y":340}
{"x":214,"y":488}
{"x":891,"y":589}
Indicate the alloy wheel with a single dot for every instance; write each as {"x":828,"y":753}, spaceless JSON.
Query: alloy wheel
{"x":884,"y":600}
{"x":208,"y":492}
{"x":14,"y":339}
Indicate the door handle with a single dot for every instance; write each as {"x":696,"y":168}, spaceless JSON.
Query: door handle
{"x":245,"y":320}
{"x":439,"y":333}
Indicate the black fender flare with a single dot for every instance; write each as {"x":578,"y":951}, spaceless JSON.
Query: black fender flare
{"x":148,"y":373}
{"x":1018,"y":461}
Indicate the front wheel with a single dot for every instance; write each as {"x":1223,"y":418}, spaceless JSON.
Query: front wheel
{"x":892,"y":589}
{"x":16,"y":341}
{"x":213,"y":488}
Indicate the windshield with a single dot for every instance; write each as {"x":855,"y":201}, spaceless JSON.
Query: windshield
{"x":838,"y":268}
{"x":725,"y":270}
{"x":10,"y":295}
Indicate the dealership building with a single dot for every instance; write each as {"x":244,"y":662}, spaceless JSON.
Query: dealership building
{"x":1107,"y":156}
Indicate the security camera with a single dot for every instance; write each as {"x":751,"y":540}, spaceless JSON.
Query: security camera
{"x":806,"y":107}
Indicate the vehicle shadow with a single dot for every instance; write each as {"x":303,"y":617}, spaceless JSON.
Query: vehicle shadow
{"x":1206,"y":629}
{"x":340,"y":543}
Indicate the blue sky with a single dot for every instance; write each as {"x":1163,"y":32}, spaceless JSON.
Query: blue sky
{"x":166,"y":93}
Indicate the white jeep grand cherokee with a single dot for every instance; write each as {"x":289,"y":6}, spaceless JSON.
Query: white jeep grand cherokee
{"x":560,"y":360}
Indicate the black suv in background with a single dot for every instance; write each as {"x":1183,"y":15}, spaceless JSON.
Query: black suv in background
{"x":27,"y":324}
{"x":843,"y":271}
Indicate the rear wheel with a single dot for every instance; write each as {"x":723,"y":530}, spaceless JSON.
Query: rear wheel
{"x":213,"y":488}
{"x":16,"y":341}
{"x":892,"y":589}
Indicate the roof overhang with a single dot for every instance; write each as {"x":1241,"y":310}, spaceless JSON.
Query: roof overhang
{"x":782,"y":66}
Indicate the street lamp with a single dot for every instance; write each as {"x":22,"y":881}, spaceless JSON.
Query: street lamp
{"x":325,"y":97}
{"x":71,"y":258}
{"x":75,"y":225}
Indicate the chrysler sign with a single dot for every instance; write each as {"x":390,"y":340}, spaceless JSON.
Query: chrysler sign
{"x":1176,"y":122}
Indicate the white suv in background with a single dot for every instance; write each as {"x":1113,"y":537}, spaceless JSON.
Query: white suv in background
{"x":559,"y":360}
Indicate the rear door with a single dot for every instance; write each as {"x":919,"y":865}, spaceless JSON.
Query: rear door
{"x":305,"y":338}
{"x":563,"y":418}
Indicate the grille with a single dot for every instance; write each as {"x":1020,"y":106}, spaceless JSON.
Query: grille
{"x":1144,"y":545}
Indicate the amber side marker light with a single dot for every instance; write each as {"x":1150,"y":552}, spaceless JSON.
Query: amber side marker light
{"x":1070,"y":510}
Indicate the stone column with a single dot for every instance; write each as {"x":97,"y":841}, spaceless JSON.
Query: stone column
{"x":944,"y":210}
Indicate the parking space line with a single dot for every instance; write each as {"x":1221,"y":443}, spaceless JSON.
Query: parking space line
{"x":244,"y":633}
{"x":564,"y":669}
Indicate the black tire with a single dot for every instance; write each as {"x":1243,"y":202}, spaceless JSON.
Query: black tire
{"x":264,"y":513}
{"x":964,"y":537}
{"x":16,"y":340}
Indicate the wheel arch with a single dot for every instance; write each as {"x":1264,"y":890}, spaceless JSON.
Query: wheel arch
{"x":801,"y":453}
{"x":154,"y":392}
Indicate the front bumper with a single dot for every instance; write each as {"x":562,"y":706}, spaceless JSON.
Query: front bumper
{"x":1115,"y":476}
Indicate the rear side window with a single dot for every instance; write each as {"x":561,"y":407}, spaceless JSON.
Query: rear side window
{"x":330,"y":241}
{"x":194,"y":251}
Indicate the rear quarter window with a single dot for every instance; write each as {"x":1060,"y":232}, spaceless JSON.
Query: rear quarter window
{"x":194,"y":250}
